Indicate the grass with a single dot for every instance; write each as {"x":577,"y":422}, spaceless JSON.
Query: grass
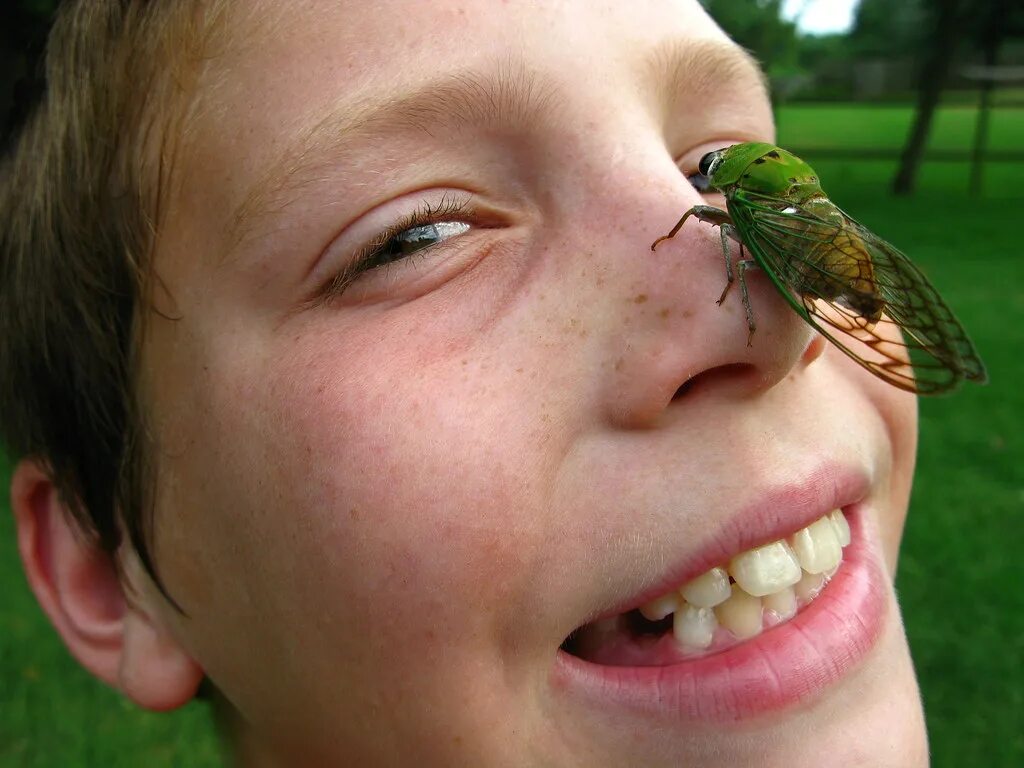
{"x":960,"y":578}
{"x":809,"y":126}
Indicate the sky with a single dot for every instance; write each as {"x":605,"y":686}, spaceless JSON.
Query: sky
{"x":821,"y":16}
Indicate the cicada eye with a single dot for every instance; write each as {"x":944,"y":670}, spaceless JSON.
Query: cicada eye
{"x":704,"y":166}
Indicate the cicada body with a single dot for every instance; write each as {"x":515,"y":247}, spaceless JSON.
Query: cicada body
{"x":860,"y":292}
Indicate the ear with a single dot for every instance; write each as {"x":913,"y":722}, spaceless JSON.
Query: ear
{"x":120,"y":641}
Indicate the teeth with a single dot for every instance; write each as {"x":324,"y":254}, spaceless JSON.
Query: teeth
{"x":817,"y":546}
{"x":809,"y":586}
{"x":708,"y":590}
{"x":781,"y":603}
{"x":740,"y":614}
{"x":694,"y":627}
{"x":766,"y":569}
{"x":660,"y":607}
{"x":842,"y":527}
{"x":771,"y":581}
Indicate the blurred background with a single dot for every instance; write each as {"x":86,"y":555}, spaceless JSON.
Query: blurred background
{"x":912,"y":112}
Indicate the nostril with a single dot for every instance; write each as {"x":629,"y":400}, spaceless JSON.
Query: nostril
{"x":687,"y":385}
{"x":717,"y":376}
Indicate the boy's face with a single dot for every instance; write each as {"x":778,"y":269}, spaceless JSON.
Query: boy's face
{"x":385,"y":512}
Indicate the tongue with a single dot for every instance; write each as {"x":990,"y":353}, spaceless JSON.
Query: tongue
{"x":627,"y":640}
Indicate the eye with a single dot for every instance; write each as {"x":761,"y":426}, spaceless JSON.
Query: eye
{"x":410,"y":240}
{"x":428,"y":226}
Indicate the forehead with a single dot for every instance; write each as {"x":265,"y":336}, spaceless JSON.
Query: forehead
{"x":304,"y":81}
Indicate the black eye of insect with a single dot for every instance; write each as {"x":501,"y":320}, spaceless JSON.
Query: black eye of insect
{"x":705,"y":162}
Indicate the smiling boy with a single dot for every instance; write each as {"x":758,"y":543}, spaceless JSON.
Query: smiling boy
{"x":336,"y":328}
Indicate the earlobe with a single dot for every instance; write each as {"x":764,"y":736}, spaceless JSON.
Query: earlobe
{"x":118,"y":640}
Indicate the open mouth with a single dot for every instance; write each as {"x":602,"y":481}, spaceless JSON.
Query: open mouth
{"x":730,"y":603}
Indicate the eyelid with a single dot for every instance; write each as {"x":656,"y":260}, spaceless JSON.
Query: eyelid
{"x":356,"y":263}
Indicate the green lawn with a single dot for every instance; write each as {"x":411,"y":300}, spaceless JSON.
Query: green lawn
{"x":885,"y":126}
{"x":959,"y":584}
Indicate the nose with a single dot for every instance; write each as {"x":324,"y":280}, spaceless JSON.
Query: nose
{"x":673,"y":339}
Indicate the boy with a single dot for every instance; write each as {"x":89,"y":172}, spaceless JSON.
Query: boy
{"x":336,"y":329}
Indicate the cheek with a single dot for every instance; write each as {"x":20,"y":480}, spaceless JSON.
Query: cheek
{"x":895,"y":413}
{"x":373,"y":493}
{"x":899,"y":413}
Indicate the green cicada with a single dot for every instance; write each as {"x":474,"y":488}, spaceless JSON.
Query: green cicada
{"x":857,"y":290}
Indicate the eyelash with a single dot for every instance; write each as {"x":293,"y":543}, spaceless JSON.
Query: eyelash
{"x":428,"y":213}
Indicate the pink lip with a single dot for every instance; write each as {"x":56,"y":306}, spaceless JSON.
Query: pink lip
{"x":789,"y":663}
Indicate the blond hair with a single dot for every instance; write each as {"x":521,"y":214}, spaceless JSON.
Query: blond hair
{"x":80,"y":210}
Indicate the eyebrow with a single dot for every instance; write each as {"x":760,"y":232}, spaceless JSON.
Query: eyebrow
{"x":511,"y":95}
{"x":508,"y":96}
{"x":701,"y":68}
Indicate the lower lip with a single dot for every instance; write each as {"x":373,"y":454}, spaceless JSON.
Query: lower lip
{"x":789,"y":663}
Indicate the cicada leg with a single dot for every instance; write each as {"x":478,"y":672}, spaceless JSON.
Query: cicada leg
{"x":707,"y":213}
{"x":743,"y":264}
{"x":724,"y":230}
{"x":721,"y":219}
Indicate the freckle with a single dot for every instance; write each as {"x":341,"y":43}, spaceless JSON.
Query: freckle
{"x":665,"y":313}
{"x":620,"y":364}
{"x":584,"y":333}
{"x":429,"y":634}
{"x":353,"y":513}
{"x":599,"y":282}
{"x":465,"y":362}
{"x":687,"y":313}
{"x":640,"y":298}
{"x":519,"y":370}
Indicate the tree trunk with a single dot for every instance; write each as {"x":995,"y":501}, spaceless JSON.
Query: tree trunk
{"x":992,"y":38}
{"x":934,"y":72}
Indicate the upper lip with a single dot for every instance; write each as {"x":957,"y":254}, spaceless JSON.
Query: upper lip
{"x":776,"y":512}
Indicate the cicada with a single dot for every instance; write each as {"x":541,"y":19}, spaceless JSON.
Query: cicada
{"x":857,"y":290}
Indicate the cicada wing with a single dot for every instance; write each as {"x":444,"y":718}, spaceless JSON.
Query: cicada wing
{"x":860,"y":292}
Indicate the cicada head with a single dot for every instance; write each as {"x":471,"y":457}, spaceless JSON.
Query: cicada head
{"x":757,"y":167}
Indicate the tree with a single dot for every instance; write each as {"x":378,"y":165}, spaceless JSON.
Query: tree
{"x":945,"y":16}
{"x":983,"y":22}
{"x":883,"y":28}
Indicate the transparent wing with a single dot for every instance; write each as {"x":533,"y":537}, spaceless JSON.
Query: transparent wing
{"x":860,"y":292}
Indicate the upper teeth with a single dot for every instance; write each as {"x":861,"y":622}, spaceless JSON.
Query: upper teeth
{"x":771,"y":577}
